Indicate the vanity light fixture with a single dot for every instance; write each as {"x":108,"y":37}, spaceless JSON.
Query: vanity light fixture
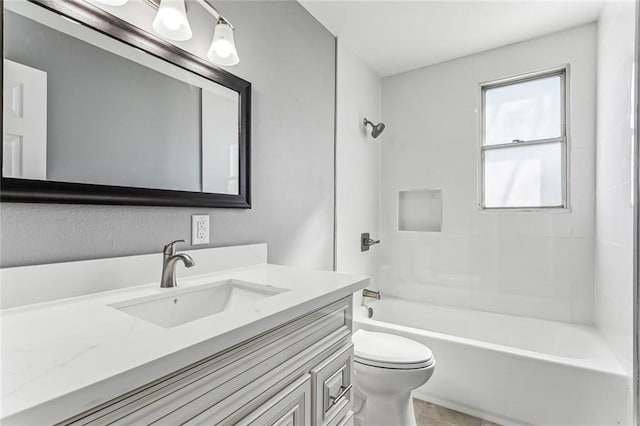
{"x":223,"y":48}
{"x":171,"y":22}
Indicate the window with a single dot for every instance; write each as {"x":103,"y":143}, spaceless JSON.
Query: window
{"x":523,"y":158}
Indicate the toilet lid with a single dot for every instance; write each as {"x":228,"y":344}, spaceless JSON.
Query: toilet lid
{"x":390,"y":351}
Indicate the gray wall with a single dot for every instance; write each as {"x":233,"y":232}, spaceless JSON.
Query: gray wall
{"x":289,"y":58}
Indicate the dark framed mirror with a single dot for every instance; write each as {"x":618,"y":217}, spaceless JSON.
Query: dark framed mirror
{"x":107,"y":113}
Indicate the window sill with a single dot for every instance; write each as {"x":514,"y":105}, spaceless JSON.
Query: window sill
{"x":554,"y":210}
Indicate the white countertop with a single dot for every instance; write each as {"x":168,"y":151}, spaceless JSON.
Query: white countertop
{"x":63,"y":357}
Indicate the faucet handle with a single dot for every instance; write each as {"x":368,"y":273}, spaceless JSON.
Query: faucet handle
{"x":170,"y":249}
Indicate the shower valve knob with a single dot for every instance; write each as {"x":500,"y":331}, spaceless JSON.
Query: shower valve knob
{"x":366,"y":241}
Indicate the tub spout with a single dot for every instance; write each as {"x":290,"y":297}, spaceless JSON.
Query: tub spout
{"x":371,"y":293}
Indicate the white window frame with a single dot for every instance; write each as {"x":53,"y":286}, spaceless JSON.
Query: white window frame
{"x":563,"y":73}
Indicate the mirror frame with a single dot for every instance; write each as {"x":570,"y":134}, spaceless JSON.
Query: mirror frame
{"x":41,"y":191}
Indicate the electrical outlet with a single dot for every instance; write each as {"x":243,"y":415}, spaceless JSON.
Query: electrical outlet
{"x":199,"y":229}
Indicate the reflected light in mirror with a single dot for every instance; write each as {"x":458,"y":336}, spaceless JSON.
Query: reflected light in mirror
{"x":223,"y":48}
{"x":171,"y":21}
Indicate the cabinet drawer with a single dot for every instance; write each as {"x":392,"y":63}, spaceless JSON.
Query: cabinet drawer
{"x":341,"y":417}
{"x":331,"y":386}
{"x":347,"y":420}
{"x":290,"y":407}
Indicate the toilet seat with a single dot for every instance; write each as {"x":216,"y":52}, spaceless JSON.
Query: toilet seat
{"x":385,"y":350}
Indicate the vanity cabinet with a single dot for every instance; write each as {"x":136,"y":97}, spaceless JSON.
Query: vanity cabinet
{"x":291,"y":407}
{"x":299,"y":373}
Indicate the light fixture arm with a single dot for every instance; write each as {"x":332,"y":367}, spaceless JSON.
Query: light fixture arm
{"x":213,"y":11}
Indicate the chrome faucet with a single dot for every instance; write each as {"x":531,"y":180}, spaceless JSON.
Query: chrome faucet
{"x":169,"y":260}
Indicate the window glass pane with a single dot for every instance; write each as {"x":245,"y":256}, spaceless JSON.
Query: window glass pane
{"x":526,"y":111}
{"x":523,"y":176}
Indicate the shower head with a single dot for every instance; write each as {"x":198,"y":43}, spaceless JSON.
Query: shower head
{"x":376,"y":129}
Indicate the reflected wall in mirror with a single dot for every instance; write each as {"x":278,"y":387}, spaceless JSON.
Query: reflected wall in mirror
{"x":86,"y":114}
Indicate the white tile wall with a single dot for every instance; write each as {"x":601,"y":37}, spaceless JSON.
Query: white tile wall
{"x":357,"y":164}
{"x":614,"y":221}
{"x":533,"y":264}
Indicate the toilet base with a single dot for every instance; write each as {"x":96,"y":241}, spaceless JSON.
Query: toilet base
{"x":384,"y":410}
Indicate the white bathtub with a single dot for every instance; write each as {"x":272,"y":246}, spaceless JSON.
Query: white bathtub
{"x":509,"y":369}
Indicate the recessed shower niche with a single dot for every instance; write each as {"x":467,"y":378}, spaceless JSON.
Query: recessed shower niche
{"x":420,"y":210}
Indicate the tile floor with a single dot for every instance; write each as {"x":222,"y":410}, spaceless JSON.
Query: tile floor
{"x":428,"y":414}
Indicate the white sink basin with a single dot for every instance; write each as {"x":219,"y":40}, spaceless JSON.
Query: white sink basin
{"x":181,"y":306}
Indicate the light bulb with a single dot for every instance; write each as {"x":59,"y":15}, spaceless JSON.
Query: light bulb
{"x":223,"y":48}
{"x":171,"y":20}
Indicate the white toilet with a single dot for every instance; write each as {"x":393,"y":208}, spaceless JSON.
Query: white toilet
{"x":387,"y":368}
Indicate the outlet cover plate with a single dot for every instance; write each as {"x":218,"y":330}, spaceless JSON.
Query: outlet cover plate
{"x":199,"y":229}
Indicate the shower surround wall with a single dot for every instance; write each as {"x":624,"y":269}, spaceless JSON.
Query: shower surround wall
{"x":614,"y":211}
{"x":359,"y":91}
{"x":528,"y":263}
